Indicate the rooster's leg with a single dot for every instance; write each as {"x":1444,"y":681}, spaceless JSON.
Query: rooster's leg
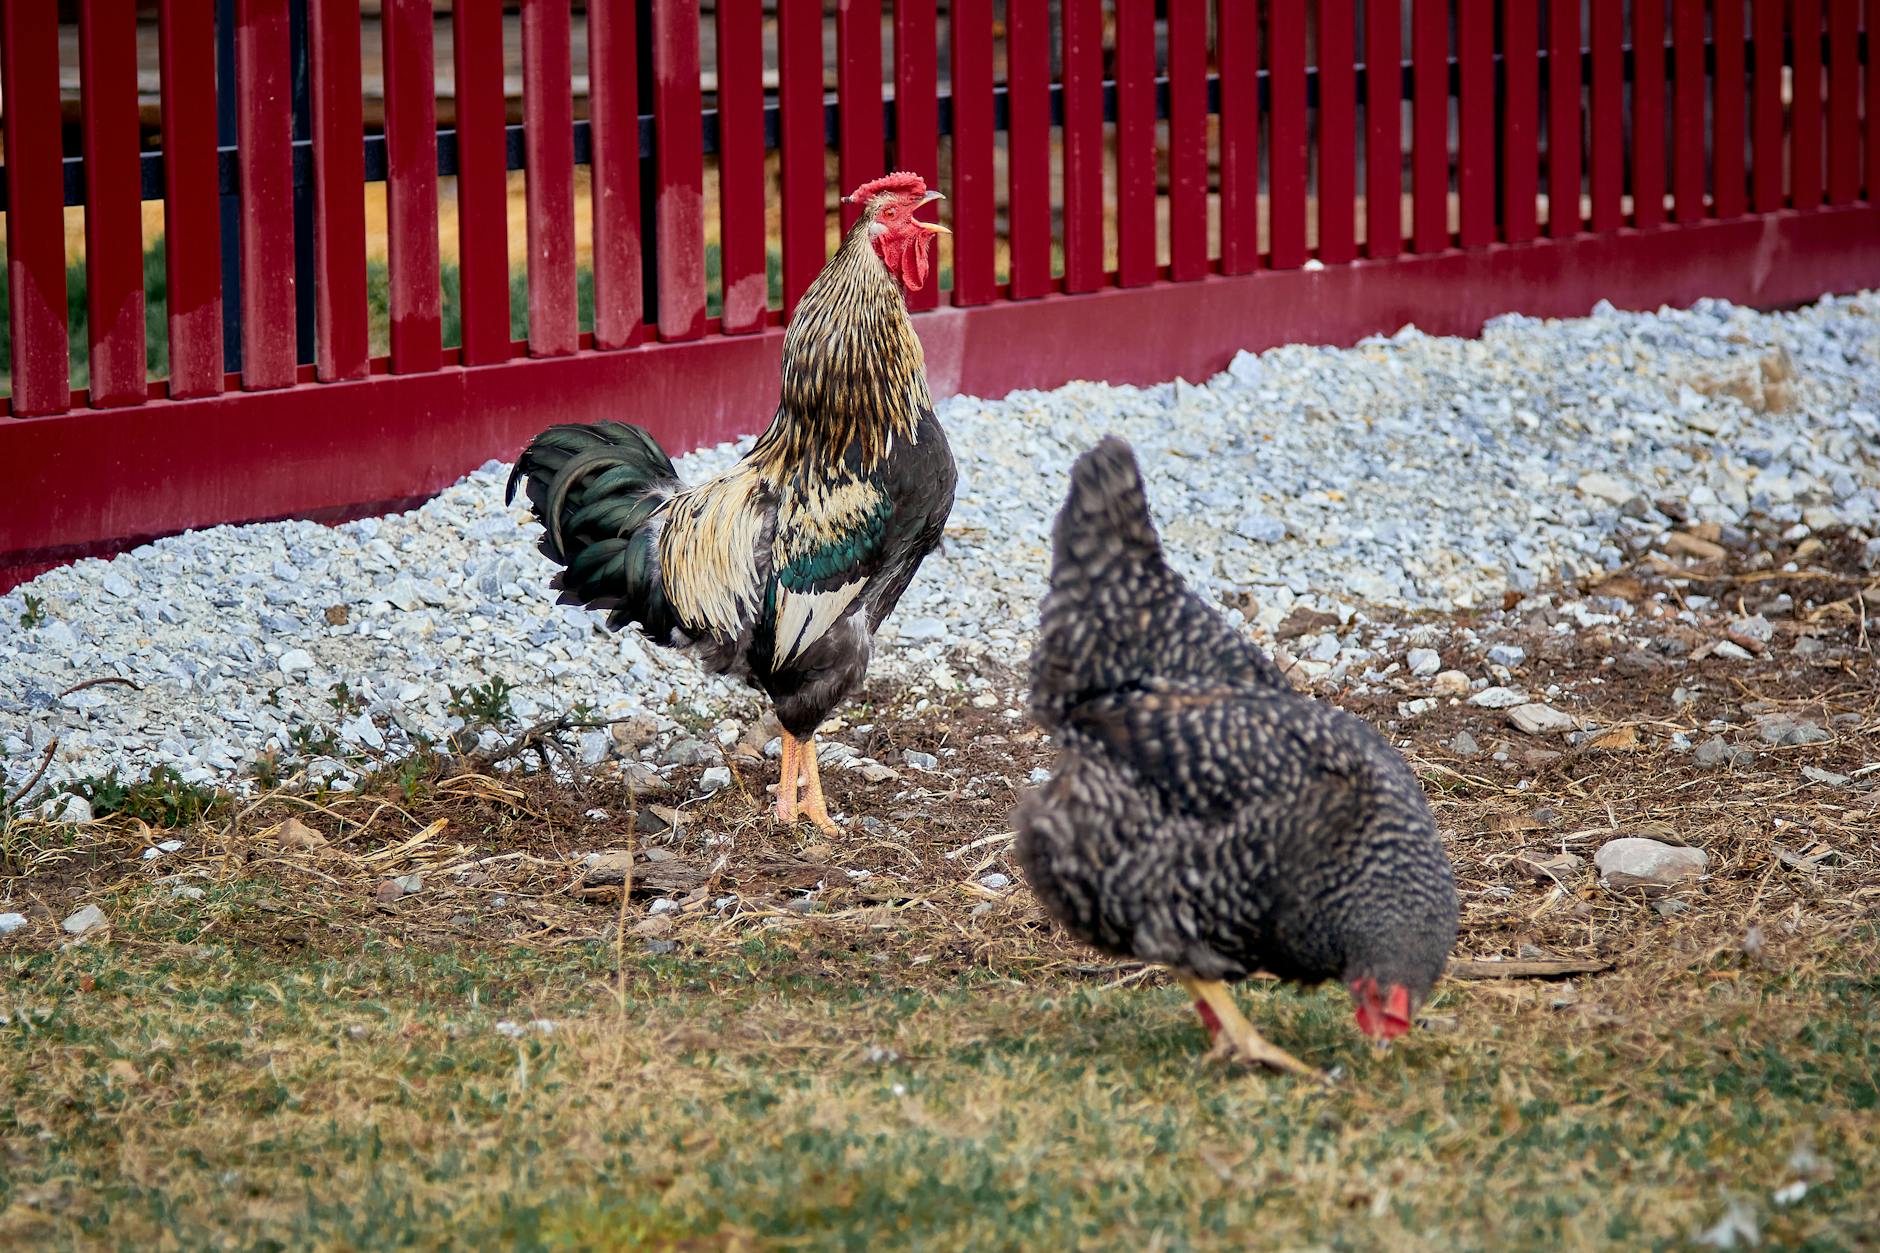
{"x":1236,"y":1035}
{"x":814,"y":807}
{"x":786,"y":781}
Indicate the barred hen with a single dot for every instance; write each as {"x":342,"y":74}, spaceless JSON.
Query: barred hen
{"x":1205,"y":816}
{"x":781,"y":569}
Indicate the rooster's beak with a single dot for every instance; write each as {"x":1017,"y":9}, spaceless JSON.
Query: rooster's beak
{"x":935,"y":227}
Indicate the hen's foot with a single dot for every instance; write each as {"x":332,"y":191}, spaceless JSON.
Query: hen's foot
{"x":814,"y":808}
{"x":1234,"y":1037}
{"x":786,"y":807}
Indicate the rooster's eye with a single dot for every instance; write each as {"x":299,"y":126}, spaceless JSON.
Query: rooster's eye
{"x":887,"y":213}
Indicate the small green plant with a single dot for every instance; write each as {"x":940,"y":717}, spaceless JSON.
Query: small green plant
{"x":310,"y":739}
{"x":483,"y":704}
{"x":161,"y":799}
{"x":34,"y":613}
{"x":344,"y":700}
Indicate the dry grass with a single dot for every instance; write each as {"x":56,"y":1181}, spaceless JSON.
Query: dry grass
{"x":920,"y":1061}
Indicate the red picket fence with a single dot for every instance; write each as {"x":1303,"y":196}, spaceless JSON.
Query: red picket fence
{"x":1136,"y":190}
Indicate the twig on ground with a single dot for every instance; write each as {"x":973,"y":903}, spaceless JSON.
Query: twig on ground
{"x":52,"y":746}
{"x":107,"y":679}
{"x":1558,"y":968}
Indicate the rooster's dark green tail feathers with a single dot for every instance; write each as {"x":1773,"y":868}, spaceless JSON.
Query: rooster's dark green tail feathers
{"x":594,"y":489}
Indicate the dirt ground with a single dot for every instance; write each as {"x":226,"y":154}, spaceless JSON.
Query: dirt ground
{"x":782,"y":1039}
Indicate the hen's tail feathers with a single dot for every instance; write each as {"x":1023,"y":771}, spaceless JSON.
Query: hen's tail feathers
{"x":1106,"y":571}
{"x":595,"y":489}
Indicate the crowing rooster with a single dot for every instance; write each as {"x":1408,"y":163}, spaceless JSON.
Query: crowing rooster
{"x":1202,"y":814}
{"x":781,"y":569}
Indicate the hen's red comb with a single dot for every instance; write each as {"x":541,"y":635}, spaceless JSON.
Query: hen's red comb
{"x":901,"y":182}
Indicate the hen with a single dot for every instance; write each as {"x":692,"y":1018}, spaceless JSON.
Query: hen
{"x":781,"y":569}
{"x":1202,"y":814}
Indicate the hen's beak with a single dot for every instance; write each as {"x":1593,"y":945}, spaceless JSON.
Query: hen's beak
{"x":935,"y":227}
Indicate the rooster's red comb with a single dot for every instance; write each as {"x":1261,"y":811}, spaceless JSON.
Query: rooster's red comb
{"x":901,"y":182}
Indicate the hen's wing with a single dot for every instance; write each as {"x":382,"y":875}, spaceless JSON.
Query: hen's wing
{"x":1213,"y":753}
{"x":844,"y":539}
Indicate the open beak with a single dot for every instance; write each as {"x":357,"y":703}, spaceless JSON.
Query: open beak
{"x":935,"y":227}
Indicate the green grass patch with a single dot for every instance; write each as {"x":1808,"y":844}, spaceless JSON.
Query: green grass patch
{"x":338,"y":1087}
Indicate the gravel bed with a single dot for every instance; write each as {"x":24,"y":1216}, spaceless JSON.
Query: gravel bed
{"x":1408,"y":472}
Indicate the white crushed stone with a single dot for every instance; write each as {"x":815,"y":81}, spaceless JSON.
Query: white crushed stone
{"x":1408,"y":471}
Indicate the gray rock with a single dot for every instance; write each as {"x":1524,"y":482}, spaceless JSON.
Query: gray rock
{"x":70,"y":808}
{"x":715,"y":779}
{"x":1827,"y":778}
{"x":295,"y":660}
{"x":1537,"y":719}
{"x":1464,"y":745}
{"x":9,"y":923}
{"x":919,"y":760}
{"x":995,"y":881}
{"x":1499,"y":698}
{"x":1422,"y":662}
{"x":691,"y":753}
{"x":84,"y":920}
{"x":1261,"y":528}
{"x":1508,"y":655}
{"x":1781,"y":728}
{"x":1652,"y":867}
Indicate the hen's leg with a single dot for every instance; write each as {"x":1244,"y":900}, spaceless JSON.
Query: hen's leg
{"x":1237,"y":1038}
{"x":786,"y":781}
{"x":813,"y":806}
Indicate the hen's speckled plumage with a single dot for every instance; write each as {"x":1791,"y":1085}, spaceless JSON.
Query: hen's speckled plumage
{"x":1203,"y":814}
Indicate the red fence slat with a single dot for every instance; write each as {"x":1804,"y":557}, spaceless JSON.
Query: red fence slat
{"x":1873,"y":100}
{"x":917,"y":112}
{"x":29,"y":58}
{"x":548,"y":138}
{"x":1188,"y":139}
{"x":192,"y":222}
{"x":1687,"y":111}
{"x":1648,"y":113}
{"x":800,"y":102}
{"x":1521,"y":106}
{"x":1729,"y":103}
{"x":1338,"y":107}
{"x":114,"y":244}
{"x":1563,"y":120}
{"x":860,"y":145}
{"x":1028,"y":144}
{"x":1844,"y":100}
{"x":339,"y":174}
{"x":1135,"y":143}
{"x":411,"y":186}
{"x":1237,"y":51}
{"x":1475,"y":122}
{"x":1766,"y":175}
{"x":483,"y":180}
{"x":742,"y":191}
{"x":1429,"y":152}
{"x":264,"y":116}
{"x":1605,"y":175}
{"x":680,"y":160}
{"x":970,"y":37}
{"x":1805,"y":112}
{"x":1383,"y":144}
{"x":1083,"y":144}
{"x":1286,"y":160}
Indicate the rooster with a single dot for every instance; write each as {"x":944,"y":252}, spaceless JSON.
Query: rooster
{"x":1205,"y":816}
{"x":781,"y":569}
